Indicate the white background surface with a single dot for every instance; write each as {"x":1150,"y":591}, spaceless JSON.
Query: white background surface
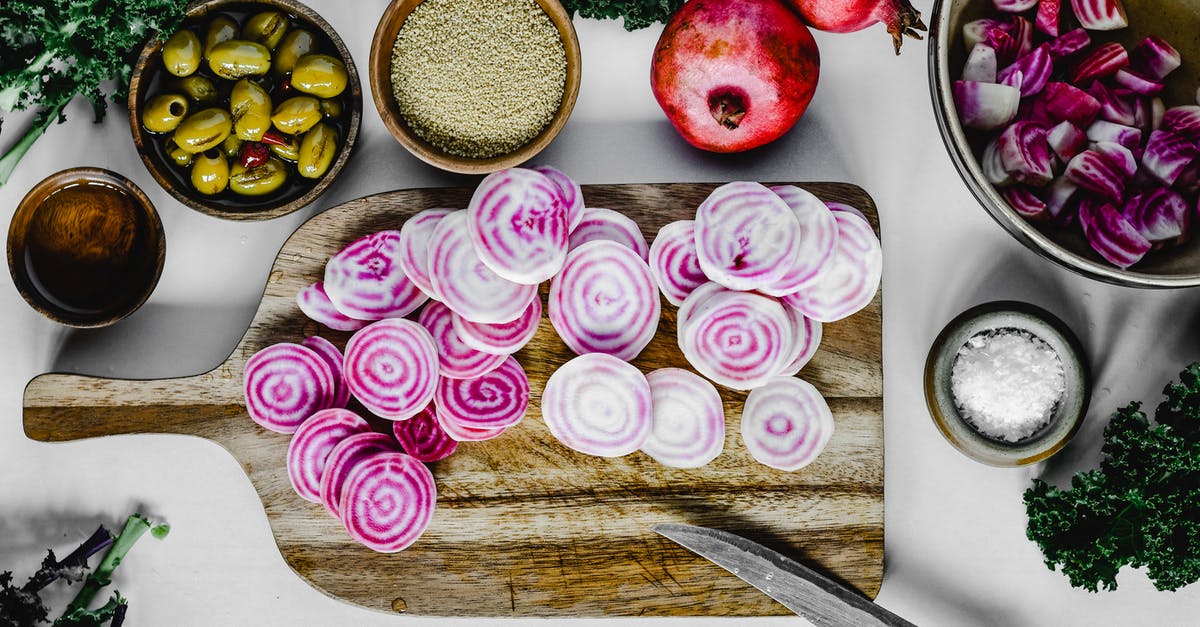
{"x":955,"y":547}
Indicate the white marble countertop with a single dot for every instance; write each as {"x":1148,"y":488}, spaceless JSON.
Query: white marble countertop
{"x":956,"y":552}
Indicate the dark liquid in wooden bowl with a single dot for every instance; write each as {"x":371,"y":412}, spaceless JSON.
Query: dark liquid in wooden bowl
{"x":88,"y":249}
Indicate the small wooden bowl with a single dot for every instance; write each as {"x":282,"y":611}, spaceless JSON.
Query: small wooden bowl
{"x":380,"y":75}
{"x":1068,"y":414}
{"x":296,"y":194}
{"x":127,"y":253}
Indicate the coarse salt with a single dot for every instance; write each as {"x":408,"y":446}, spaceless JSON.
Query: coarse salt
{"x":1007,"y":383}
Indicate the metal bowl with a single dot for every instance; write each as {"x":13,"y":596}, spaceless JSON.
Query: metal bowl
{"x":1178,"y":21}
{"x":1068,"y":414}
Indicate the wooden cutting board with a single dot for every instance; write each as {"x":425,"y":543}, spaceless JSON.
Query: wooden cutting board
{"x":525,"y":526}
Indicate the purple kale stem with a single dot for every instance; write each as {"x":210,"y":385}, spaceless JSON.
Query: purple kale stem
{"x":99,"y":540}
{"x":119,"y":615}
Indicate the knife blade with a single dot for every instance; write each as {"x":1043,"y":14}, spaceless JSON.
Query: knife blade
{"x":801,"y":589}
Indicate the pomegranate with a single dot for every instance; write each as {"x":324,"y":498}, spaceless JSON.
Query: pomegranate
{"x":732,"y":75}
{"x":847,"y":16}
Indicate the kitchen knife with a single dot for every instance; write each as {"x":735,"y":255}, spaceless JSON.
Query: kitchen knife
{"x":801,"y":589}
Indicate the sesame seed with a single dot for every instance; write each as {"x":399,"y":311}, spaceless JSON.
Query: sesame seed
{"x":478,"y":78}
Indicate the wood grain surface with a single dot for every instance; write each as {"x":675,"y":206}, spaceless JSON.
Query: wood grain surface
{"x":525,"y":526}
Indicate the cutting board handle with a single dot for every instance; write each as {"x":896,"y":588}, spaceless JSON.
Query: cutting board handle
{"x":61,"y":407}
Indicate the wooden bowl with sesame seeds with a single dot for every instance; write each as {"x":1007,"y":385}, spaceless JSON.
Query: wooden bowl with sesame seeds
{"x":482,"y":113}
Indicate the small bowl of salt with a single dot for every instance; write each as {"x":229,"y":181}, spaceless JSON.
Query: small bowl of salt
{"x":1007,"y":384}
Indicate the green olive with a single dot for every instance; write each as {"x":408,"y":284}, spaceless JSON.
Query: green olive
{"x":290,"y":152}
{"x":320,"y":75}
{"x":251,"y":109}
{"x":259,"y":180}
{"x":210,"y":172}
{"x":297,"y":44}
{"x":297,"y":114}
{"x":198,"y":88}
{"x":331,"y":108}
{"x":203,"y":130}
{"x":164,"y":112}
{"x":231,"y":146}
{"x":181,"y":53}
{"x":236,"y":59}
{"x":317,"y":151}
{"x":222,"y":28}
{"x":266,"y":28}
{"x":177,"y":155}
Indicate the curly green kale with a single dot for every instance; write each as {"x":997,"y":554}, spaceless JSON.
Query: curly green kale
{"x":55,"y":50}
{"x":1141,"y":508}
{"x":637,"y":13}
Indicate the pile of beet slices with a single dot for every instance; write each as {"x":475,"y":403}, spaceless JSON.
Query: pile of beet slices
{"x":439,"y":308}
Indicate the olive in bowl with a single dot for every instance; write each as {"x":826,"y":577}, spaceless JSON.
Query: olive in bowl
{"x":247,"y":112}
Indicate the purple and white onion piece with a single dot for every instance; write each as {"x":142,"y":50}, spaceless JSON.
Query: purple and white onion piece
{"x":1047,"y":18}
{"x":993,"y":166}
{"x":1025,"y":202}
{"x":606,"y":224}
{"x":1066,"y":140}
{"x":1168,"y":155}
{"x":850,"y":281}
{"x":391,"y":367}
{"x":1025,"y":153}
{"x":689,"y":419}
{"x":1021,"y":30}
{"x":1100,"y":14}
{"x":818,"y":238}
{"x":364,"y":280}
{"x":981,"y":64}
{"x":1155,"y":58}
{"x":423,"y":437}
{"x":1094,"y":171}
{"x":673,"y":262}
{"x":747,"y":237}
{"x":285,"y":384}
{"x":976,"y":32}
{"x":503,"y":338}
{"x":1069,"y":43}
{"x":1014,"y":6}
{"x":1035,"y":69}
{"x":786,"y":424}
{"x":1111,"y":235}
{"x":1137,"y":83}
{"x":494,"y":400}
{"x":388,"y":501}
{"x":1059,"y":197}
{"x":415,"y":236}
{"x":1160,"y":215}
{"x":460,"y":433}
{"x":806,"y":339}
{"x":599,"y":405}
{"x":315,"y":303}
{"x":1114,"y":107}
{"x":605,"y":301}
{"x":1105,"y":131}
{"x":1103,"y":61}
{"x":985,"y":106}
{"x":1064,"y":102}
{"x":344,"y":456}
{"x":1183,"y":121}
{"x":456,"y":360}
{"x":465,"y":283}
{"x":737,"y":339}
{"x":518,"y":225}
{"x":572,"y":193}
{"x":333,"y":358}
{"x":311,"y":445}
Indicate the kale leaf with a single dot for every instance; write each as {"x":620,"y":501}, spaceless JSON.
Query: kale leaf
{"x":55,"y":50}
{"x":637,"y":13}
{"x":1141,"y":508}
